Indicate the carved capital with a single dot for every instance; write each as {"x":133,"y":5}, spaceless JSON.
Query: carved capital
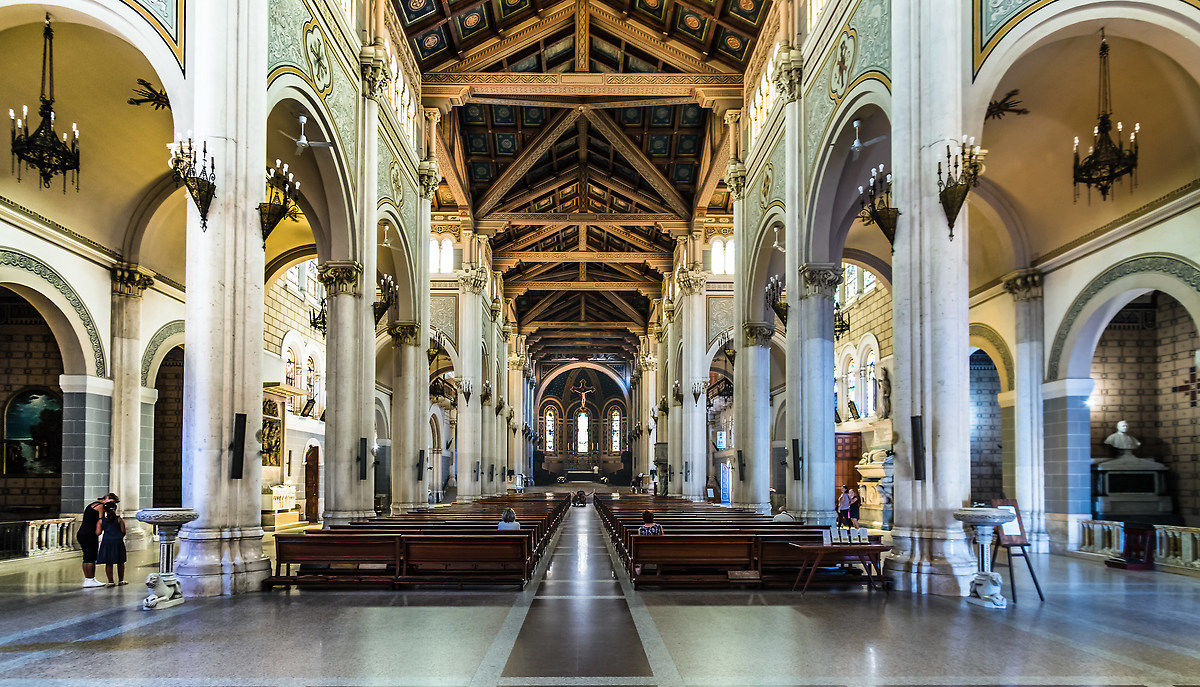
{"x":404,"y":333}
{"x":1024,"y":285}
{"x":757,"y":333}
{"x":787,"y":76}
{"x":129,"y":280}
{"x":473,"y":278}
{"x":735,"y":179}
{"x":516,"y":362}
{"x":340,"y":277}
{"x":375,"y":73}
{"x":690,"y":281}
{"x":647,"y":362}
{"x":819,"y":279}
{"x":429,"y":177}
{"x":732,"y":117}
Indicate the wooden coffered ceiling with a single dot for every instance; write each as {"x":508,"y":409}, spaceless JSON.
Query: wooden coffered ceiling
{"x":581,"y":133}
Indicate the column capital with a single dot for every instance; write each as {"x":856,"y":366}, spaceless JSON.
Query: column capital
{"x":788,"y":74}
{"x":1024,"y":285}
{"x":757,"y":333}
{"x":372,"y":60}
{"x":404,"y":333}
{"x":340,"y":277}
{"x":732,"y":117}
{"x":735,"y":179}
{"x":473,"y":278}
{"x":429,"y":177}
{"x":647,"y":362}
{"x":690,"y":281}
{"x":819,"y":279}
{"x":516,"y":362}
{"x":130,"y":280}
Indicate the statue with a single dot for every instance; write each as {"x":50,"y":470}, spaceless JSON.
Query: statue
{"x":883,"y":391}
{"x":1121,"y":441}
{"x":164,"y":592}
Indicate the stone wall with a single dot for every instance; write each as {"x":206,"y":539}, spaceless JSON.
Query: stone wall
{"x":1144,"y":369}
{"x":168,"y":432}
{"x":286,"y":310}
{"x":871,"y":314}
{"x":986,"y":439}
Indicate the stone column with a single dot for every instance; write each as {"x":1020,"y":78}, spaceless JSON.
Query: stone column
{"x":1068,"y":460}
{"x":221,"y":551}
{"x":648,"y":363}
{"x":813,"y":322}
{"x":694,"y":426}
{"x":374,"y":80}
{"x":675,"y":449}
{"x":930,"y":304}
{"x":428,"y":179}
{"x":1027,"y":483}
{"x":470,"y":406}
{"x":515,"y":418}
{"x":128,"y":283}
{"x":346,"y":496}
{"x":752,"y":475}
{"x":406,"y":349}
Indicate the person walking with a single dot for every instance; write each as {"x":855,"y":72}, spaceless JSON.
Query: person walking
{"x":852,"y":513}
{"x":843,"y":507}
{"x":111,"y":530}
{"x":89,"y":540}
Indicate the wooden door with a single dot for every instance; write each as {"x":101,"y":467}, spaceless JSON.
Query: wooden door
{"x":847,"y":452}
{"x":312,"y":483}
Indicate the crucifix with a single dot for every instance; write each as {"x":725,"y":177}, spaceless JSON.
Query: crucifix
{"x":583,"y":389}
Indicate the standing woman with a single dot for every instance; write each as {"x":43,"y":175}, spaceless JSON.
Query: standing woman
{"x":854,"y":504}
{"x":843,"y":507}
{"x":111,"y":529}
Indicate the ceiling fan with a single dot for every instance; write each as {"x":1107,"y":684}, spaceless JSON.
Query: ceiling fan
{"x":303,"y":143}
{"x":859,"y":145}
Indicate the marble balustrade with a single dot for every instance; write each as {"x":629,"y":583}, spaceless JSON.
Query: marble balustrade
{"x":1177,"y":549}
{"x":1102,"y":537}
{"x":44,"y":537}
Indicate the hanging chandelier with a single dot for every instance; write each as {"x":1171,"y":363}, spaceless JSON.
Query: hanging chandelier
{"x":199,"y":179}
{"x":282,"y":192}
{"x":962,"y":173}
{"x":435,"y":346}
{"x":1107,"y":160}
{"x":42,"y":149}
{"x":319,"y":319}
{"x":841,"y":324}
{"x":876,"y":201}
{"x":776,"y":297}
{"x":385,"y":295}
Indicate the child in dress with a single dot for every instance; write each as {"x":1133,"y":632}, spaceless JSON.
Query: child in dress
{"x":111,"y":529}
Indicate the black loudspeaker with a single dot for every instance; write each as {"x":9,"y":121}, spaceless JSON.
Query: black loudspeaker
{"x":918,"y":447}
{"x":741,"y":466}
{"x":687,"y":472}
{"x":421,"y":465}
{"x":797,"y":460}
{"x":362,"y":458}
{"x":239,"y":446}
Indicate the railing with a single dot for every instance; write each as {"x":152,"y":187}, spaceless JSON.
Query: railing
{"x":1177,"y":549}
{"x":1102,"y":537}
{"x":43,"y":537}
{"x":12,"y":540}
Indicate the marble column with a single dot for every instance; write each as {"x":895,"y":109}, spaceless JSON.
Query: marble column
{"x":694,"y":426}
{"x":675,"y":449}
{"x":347,"y":497}
{"x":752,"y":475}
{"x":1028,"y":481}
{"x":428,"y":179}
{"x":366,"y":233}
{"x":648,"y":364}
{"x":813,"y":322}
{"x":469,"y":440}
{"x":515,"y":417}
{"x":221,"y":551}
{"x":406,"y":349}
{"x":1068,"y":460}
{"x":128,"y":283}
{"x":930,"y":304}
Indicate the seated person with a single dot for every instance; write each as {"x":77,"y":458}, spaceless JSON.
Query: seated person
{"x":783,"y":516}
{"x":648,"y":525}
{"x":508,"y":521}
{"x":578,"y":499}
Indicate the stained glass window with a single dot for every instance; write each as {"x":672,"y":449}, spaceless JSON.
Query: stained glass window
{"x":616,"y":431}
{"x":549,"y":431}
{"x":581,"y":433}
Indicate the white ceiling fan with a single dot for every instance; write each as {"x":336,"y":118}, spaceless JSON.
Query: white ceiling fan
{"x":303,"y":143}
{"x":859,"y":145}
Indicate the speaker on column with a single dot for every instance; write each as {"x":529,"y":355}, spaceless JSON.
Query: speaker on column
{"x":918,"y":447}
{"x":362,"y":458}
{"x":421,"y":465}
{"x":741,"y":466}
{"x":239,"y":446}
{"x":797,"y":460}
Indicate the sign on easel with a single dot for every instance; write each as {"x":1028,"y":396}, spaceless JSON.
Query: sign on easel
{"x":1012,"y":533}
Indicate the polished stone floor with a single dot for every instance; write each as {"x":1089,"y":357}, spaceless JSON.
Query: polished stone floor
{"x":580,"y":623}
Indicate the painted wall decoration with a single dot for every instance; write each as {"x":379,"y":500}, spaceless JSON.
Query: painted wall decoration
{"x":168,"y":330}
{"x":167,"y":18}
{"x":862,"y":50}
{"x":720,"y":316}
{"x":765,"y":188}
{"x":992,"y":20}
{"x":443,"y":314}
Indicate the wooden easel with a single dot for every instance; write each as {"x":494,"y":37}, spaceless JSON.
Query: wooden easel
{"x":1016,"y":545}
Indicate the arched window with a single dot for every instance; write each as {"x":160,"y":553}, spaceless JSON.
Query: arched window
{"x":868,"y":281}
{"x":850,"y":279}
{"x":716,"y":257}
{"x":310,"y":378}
{"x":729,"y":255}
{"x":33,"y":427}
{"x":549,"y":431}
{"x":435,"y":264}
{"x":581,"y":432}
{"x":616,"y":431}
{"x":447,"y":257}
{"x":869,"y":386}
{"x":852,"y":382}
{"x":289,"y":375}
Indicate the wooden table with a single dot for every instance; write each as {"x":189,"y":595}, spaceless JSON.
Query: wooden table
{"x":868,"y":555}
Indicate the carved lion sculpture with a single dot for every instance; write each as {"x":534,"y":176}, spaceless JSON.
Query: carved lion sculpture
{"x":160,"y":591}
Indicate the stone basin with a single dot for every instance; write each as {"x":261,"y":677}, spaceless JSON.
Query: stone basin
{"x":167,"y":516}
{"x":983,"y":517}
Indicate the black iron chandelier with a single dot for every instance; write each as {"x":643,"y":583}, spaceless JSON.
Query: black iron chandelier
{"x":1107,"y":160}
{"x":198,"y":176}
{"x":41,"y":149}
{"x":282,"y":191}
{"x":962,"y":174}
{"x":876,"y":201}
{"x":776,"y":297}
{"x":385,"y":295}
{"x":319,"y":319}
{"x":841,"y":324}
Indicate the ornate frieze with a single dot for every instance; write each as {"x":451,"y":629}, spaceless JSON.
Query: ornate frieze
{"x":757,"y":333}
{"x":1024,"y":285}
{"x":129,"y":280}
{"x":404,"y":333}
{"x":819,"y":280}
{"x":340,"y":277}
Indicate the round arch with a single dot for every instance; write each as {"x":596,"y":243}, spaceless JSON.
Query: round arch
{"x":990,"y":342}
{"x":1079,"y":332}
{"x":164,"y":339}
{"x":764,"y":260}
{"x":584,"y":366}
{"x":402,"y":262}
{"x":74,"y":328}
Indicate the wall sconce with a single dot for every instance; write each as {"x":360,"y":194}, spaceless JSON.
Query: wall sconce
{"x":282,"y":191}
{"x":876,"y":201}
{"x":466,"y":390}
{"x":697,"y":392}
{"x":962,"y":173}
{"x":200,"y":180}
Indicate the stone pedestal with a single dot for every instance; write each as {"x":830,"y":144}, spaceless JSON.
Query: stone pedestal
{"x":875,"y":486}
{"x":986,"y":587}
{"x":165,"y":589}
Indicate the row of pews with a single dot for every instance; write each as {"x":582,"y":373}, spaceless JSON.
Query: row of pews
{"x":707,"y":545}
{"x":456,"y":545}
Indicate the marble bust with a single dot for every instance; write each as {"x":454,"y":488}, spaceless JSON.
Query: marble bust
{"x":1121,"y":440}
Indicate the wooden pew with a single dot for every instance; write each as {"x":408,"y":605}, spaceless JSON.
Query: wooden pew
{"x":465,"y":559}
{"x":302,"y":550}
{"x":689,"y":558}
